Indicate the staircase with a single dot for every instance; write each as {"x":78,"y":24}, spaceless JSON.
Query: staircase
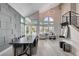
{"x":72,"y":19}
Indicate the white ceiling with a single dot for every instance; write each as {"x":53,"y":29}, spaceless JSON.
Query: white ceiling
{"x":26,"y":9}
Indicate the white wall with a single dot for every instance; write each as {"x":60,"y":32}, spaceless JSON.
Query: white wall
{"x":75,"y":40}
{"x":77,"y":7}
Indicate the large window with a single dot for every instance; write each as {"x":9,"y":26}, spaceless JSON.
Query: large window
{"x":47,"y":25}
{"x":33,"y":29}
{"x":29,"y":26}
{"x":41,"y":29}
{"x":22,"y":26}
{"x":34,"y":26}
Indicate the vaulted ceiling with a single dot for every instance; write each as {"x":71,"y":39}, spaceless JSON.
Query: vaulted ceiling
{"x":26,"y":9}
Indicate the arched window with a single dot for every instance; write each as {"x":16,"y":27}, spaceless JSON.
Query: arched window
{"x":48,"y":19}
{"x":51,"y":19}
{"x":48,"y":24}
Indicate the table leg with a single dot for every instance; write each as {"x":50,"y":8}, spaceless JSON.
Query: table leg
{"x":30,"y":50}
{"x":24,"y":47}
{"x":14,"y":48}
